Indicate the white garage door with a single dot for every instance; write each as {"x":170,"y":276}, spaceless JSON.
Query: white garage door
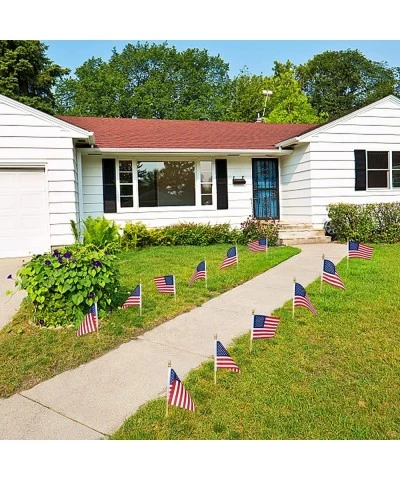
{"x":24,"y":218}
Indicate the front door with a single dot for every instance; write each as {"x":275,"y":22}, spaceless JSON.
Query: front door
{"x":265,"y":188}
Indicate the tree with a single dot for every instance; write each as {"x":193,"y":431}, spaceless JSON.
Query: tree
{"x":337,"y":82}
{"x":288,"y":104}
{"x":27,"y":74}
{"x":148,"y":81}
{"x":246,"y":99}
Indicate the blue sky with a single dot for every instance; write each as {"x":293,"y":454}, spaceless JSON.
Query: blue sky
{"x":257,"y":55}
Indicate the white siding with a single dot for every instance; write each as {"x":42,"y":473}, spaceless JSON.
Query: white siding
{"x":331,"y":157}
{"x":239,"y":197}
{"x":25,"y":140}
{"x":295,"y":186}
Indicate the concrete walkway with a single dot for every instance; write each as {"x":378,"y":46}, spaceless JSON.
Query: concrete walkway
{"x":93,"y":400}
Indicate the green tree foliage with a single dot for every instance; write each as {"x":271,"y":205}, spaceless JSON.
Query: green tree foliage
{"x":148,"y":81}
{"x":246,"y":98}
{"x":337,"y":82}
{"x":288,"y":103}
{"x":27,"y":74}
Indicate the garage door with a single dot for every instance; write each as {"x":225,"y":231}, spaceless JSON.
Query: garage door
{"x":24,"y":218}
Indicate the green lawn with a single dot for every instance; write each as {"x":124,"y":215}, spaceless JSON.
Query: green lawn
{"x":334,"y":376}
{"x":29,"y":354}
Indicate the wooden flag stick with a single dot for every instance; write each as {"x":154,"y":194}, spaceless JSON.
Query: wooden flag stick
{"x":347,"y":254}
{"x":322,"y":271}
{"x":169,"y":377}
{"x":294,"y":287}
{"x":174,"y":287}
{"x":97,"y":318}
{"x":237,"y":257}
{"x":266,"y":246}
{"x":205,"y":268}
{"x":215,"y":358}
{"x":251,"y":330}
{"x":140,"y":306}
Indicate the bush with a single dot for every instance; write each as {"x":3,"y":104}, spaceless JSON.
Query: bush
{"x":135,"y":235}
{"x":199,"y":234}
{"x":373,"y":222}
{"x":254,"y":229}
{"x":98,"y":231}
{"x":63,"y":284}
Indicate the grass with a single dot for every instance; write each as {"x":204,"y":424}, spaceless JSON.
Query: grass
{"x":334,"y":376}
{"x":29,"y":354}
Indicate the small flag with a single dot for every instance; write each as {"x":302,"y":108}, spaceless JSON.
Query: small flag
{"x":222,"y":358}
{"x":264,"y":326}
{"x":358,"y":250}
{"x":301,"y":299}
{"x":165,"y":284}
{"x":330,"y":275}
{"x":177,"y":394}
{"x":134,"y":299}
{"x":200,"y":272}
{"x":260,"y":245}
{"x":230,"y":259}
{"x":89,"y":323}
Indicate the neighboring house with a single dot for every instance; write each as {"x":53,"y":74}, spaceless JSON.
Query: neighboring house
{"x":161,"y":172}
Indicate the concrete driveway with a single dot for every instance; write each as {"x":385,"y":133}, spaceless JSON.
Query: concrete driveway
{"x":9,"y":304}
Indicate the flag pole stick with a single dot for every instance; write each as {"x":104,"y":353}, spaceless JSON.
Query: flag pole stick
{"x":251,"y":330}
{"x":174,"y":288}
{"x":237,"y":257}
{"x":294,"y":287}
{"x":205,"y":268}
{"x":97,"y":318}
{"x":140,"y":306}
{"x":347,"y":254}
{"x":169,"y":378}
{"x":322,"y":271}
{"x":266,"y":246}
{"x":215,"y":358}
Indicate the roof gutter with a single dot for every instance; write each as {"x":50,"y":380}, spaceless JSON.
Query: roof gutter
{"x":288,"y":142}
{"x":187,"y":151}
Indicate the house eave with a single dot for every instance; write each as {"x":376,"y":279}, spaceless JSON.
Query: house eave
{"x":276,"y":152}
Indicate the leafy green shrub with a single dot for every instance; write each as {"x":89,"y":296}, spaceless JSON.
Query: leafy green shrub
{"x":98,"y":231}
{"x":158,"y":237}
{"x":63,"y":284}
{"x":254,"y":229}
{"x":190,"y":233}
{"x":373,"y":222}
{"x":135,"y":235}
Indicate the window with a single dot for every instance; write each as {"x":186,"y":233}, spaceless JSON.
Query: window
{"x":166,"y":184}
{"x":395,"y":169}
{"x":125,"y":183}
{"x":206,"y":182}
{"x":377,"y":170}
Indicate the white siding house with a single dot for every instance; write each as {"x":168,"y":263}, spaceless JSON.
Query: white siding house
{"x":163,"y":172}
{"x":38,"y":179}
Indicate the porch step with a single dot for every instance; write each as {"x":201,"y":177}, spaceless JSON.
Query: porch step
{"x":300,"y":233}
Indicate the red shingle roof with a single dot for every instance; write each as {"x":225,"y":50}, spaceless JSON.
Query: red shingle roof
{"x":186,"y":134}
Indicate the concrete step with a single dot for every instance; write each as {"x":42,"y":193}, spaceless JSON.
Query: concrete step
{"x":301,"y":233}
{"x":295,"y":226}
{"x":304,"y":240}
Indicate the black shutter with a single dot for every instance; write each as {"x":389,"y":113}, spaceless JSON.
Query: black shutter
{"x":361,"y":169}
{"x":222,"y":184}
{"x":109,"y":188}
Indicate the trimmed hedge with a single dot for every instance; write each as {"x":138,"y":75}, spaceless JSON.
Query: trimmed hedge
{"x":372,"y":222}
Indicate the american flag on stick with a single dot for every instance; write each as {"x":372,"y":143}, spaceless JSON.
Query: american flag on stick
{"x":358,"y":250}
{"x":330,"y":275}
{"x":134,"y":299}
{"x":90,"y":323}
{"x":300,"y":298}
{"x":260,"y":245}
{"x":165,"y":284}
{"x":176,"y":393}
{"x":264,"y":326}
{"x":222,"y":358}
{"x":231,"y":258}
{"x":200,"y":272}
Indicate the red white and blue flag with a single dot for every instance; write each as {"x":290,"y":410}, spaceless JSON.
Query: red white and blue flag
{"x":358,"y":250}
{"x":231,"y":258}
{"x":260,"y":245}
{"x":134,"y":299}
{"x":300,"y":298}
{"x":330,"y":275}
{"x":89,"y":323}
{"x":199,"y":273}
{"x":264,"y":326}
{"x":177,"y":394}
{"x":222,"y":358}
{"x":165,"y":284}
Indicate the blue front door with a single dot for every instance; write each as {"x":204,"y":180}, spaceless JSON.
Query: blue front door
{"x":265,"y":188}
